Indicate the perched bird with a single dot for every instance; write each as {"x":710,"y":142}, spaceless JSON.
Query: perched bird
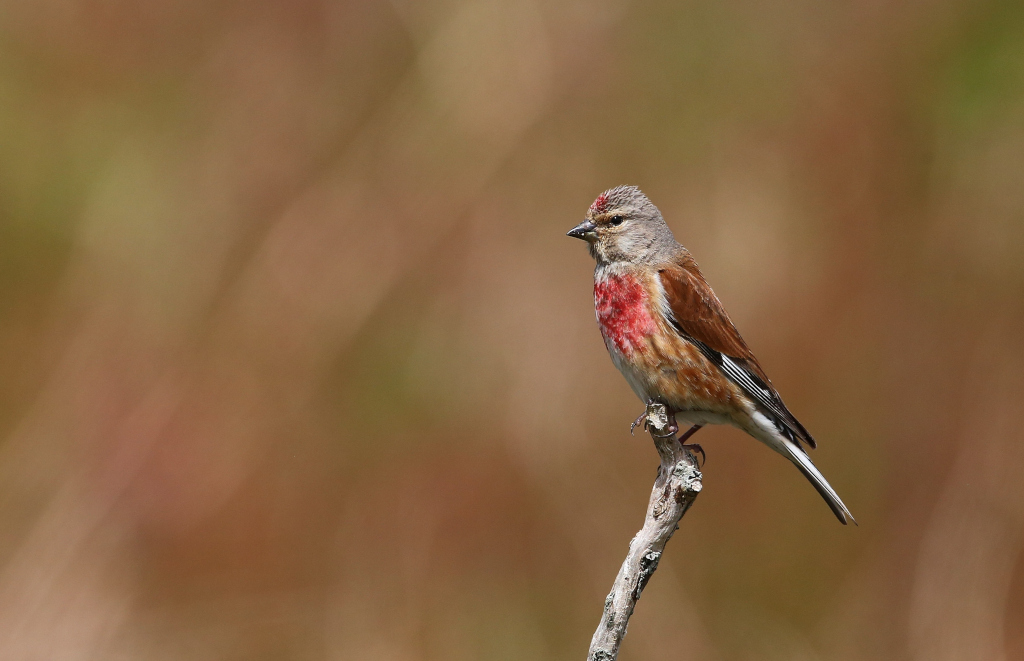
{"x":671,"y":338}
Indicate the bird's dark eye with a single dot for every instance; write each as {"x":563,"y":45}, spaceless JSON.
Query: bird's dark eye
{"x":617,"y":220}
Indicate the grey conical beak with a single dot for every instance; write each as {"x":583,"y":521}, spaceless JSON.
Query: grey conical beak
{"x":584,"y":230}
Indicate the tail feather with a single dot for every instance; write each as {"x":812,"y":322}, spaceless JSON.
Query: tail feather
{"x":783,"y":440}
{"x":795,"y":454}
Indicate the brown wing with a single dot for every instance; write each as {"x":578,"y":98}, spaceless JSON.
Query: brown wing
{"x":699,"y":316}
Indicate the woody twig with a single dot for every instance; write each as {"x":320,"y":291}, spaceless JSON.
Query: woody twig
{"x":676,"y":487}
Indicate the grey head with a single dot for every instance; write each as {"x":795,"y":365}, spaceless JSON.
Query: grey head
{"x":623,"y":226}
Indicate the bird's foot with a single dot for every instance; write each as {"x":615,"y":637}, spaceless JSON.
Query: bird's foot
{"x":636,"y":423}
{"x":641,"y":418}
{"x":693,"y":447}
{"x":672,"y":427}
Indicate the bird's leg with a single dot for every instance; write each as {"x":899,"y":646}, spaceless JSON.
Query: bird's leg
{"x":689,"y":432}
{"x":693,"y":447}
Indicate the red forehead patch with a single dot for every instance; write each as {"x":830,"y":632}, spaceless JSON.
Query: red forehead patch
{"x":600,"y":204}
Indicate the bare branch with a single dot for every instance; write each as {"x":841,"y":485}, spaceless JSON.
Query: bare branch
{"x":677,"y":485}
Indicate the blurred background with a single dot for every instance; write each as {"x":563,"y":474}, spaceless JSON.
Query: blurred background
{"x":296,"y":362}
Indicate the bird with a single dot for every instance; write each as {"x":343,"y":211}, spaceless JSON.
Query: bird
{"x":673,"y":341}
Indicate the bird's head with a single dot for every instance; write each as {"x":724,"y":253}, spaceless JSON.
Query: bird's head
{"x":622,"y":225}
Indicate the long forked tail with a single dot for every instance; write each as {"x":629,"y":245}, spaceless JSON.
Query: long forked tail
{"x":796,"y":454}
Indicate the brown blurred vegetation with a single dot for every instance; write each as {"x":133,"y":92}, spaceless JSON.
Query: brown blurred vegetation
{"x":297,"y":363}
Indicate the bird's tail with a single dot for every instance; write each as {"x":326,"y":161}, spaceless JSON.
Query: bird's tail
{"x":796,"y":454}
{"x":769,"y":433}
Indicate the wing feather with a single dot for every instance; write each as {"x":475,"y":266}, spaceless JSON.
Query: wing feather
{"x":698,"y":315}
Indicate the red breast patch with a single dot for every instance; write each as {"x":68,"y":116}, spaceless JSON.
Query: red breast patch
{"x":621,"y":305}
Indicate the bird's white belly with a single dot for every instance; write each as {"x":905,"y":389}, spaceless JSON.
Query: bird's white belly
{"x":690,"y":418}
{"x":634,"y":377}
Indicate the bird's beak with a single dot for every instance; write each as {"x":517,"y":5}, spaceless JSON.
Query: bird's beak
{"x":584,"y":230}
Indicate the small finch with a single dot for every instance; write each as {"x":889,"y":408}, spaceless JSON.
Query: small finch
{"x":671,"y":338}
